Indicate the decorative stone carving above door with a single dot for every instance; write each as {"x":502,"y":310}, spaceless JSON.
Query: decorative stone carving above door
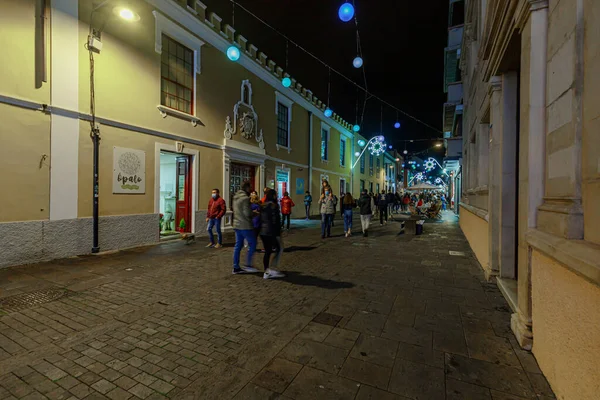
{"x":244,"y":117}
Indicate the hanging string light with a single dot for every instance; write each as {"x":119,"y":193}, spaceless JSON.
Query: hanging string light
{"x":286,"y":81}
{"x":346,"y":12}
{"x":233,"y":53}
{"x":356,"y":127}
{"x":328,"y":112}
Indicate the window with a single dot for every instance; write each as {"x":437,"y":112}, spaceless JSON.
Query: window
{"x":370,"y":187}
{"x":343,"y":152}
{"x":283,"y":133}
{"x":377,"y":188}
{"x":324,"y":144}
{"x":177,"y":76}
{"x":371,"y":165}
{"x":378,"y":166}
{"x":362,"y":165}
{"x":362,"y":185}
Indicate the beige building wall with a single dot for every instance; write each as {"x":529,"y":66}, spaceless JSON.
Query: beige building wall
{"x":475,"y":229}
{"x":566,"y":319}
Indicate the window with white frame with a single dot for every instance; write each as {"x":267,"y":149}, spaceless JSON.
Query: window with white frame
{"x":324,"y":144}
{"x":180,"y":62}
{"x":283,"y":110}
{"x":342,"y":152}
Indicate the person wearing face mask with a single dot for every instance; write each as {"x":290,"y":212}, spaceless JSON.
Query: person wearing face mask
{"x":244,"y":229}
{"x":327,"y":203}
{"x":216,"y":210}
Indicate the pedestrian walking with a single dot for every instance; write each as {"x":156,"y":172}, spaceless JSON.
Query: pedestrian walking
{"x":286,"y":209}
{"x":405,"y":202}
{"x":307,"y":203}
{"x":366,"y":212}
{"x":243,"y":227}
{"x":216,"y":210}
{"x":382,"y":205}
{"x":270,"y":234}
{"x":335,"y":203}
{"x":327,"y":209}
{"x":375,"y":203}
{"x":347,"y":205}
{"x":255,"y":207}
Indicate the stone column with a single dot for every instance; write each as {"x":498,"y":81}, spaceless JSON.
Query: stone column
{"x":521,"y":321}
{"x":561,"y":214}
{"x":64,"y":129}
{"x":495,"y":93}
{"x":508,"y":175}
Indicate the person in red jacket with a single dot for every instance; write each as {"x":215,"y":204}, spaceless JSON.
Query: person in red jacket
{"x":286,"y":209}
{"x":216,"y":210}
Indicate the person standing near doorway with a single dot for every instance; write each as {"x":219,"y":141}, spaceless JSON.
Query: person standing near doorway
{"x":270,"y":234}
{"x":216,"y":210}
{"x":327,"y":208}
{"x":286,"y":209}
{"x":255,"y":207}
{"x":307,"y":203}
{"x":242,"y":225}
{"x":366,"y":212}
{"x":382,"y":205}
{"x":347,"y":205}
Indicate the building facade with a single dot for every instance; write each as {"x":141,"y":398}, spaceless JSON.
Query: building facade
{"x":176,"y":118}
{"x":531,"y":175}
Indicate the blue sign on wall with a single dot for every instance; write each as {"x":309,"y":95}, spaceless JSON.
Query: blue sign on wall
{"x":299,"y":186}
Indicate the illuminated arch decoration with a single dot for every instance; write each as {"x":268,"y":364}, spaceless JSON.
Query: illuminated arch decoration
{"x":377,"y":146}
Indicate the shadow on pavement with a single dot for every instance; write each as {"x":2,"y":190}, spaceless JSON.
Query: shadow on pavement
{"x":299,"y":248}
{"x":297,"y":278}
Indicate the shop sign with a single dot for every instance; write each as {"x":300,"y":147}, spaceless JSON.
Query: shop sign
{"x":281,"y":176}
{"x":299,"y":185}
{"x":129,"y":171}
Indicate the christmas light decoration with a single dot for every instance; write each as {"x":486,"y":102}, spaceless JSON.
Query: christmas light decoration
{"x":233,"y":53}
{"x":361,"y":143}
{"x":328,"y":112}
{"x":377,"y":146}
{"x":357,"y":62}
{"x":357,"y":154}
{"x":429,"y":164}
{"x":356,"y":128}
{"x":346,"y":12}
{"x":286,"y":82}
{"x":397,"y":125}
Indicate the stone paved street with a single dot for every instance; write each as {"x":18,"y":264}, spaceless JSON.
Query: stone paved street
{"x":384,"y":317}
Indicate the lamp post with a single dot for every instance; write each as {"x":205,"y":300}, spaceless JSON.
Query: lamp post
{"x":94,"y":45}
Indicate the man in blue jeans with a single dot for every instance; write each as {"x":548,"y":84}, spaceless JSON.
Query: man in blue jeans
{"x":244,"y":229}
{"x":216,"y":211}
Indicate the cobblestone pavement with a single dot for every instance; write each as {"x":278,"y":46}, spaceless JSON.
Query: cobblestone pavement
{"x":384,"y":317}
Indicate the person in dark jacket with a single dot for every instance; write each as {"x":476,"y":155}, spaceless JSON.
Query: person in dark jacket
{"x":382,"y":204}
{"x":307,"y":203}
{"x":364,"y":203}
{"x":270,"y":232}
{"x":216,"y":210}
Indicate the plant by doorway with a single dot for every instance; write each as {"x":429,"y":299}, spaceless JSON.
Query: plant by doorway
{"x":182,"y":225}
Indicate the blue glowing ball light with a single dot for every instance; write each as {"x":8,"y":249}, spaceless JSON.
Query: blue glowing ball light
{"x":397,"y":125}
{"x":361,"y":143}
{"x":357,"y":62}
{"x":233,"y":53}
{"x":328,"y":112}
{"x":286,"y":82}
{"x":356,"y":128}
{"x":390,"y":146}
{"x":346,"y":12}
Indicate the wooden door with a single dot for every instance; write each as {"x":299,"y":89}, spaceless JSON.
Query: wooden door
{"x":184,"y":195}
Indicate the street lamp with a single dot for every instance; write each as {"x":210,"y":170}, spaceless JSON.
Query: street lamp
{"x":94,"y":45}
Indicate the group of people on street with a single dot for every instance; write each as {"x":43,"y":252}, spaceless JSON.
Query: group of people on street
{"x":252,"y":218}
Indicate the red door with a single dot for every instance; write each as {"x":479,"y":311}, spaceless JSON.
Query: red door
{"x":183,"y":215}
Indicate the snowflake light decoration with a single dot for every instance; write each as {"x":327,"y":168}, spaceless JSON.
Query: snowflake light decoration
{"x":429,"y":164}
{"x":438,"y":181}
{"x":377,"y":146}
{"x":419,"y":176}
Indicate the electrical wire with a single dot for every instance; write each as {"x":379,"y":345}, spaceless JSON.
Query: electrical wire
{"x":364,"y":89}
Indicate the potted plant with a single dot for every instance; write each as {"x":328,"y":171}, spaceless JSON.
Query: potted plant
{"x":182,"y":225}
{"x":160,"y":222}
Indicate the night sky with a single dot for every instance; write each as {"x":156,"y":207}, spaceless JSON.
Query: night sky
{"x":403,"y":50}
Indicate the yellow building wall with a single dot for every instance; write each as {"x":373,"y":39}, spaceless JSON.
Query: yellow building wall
{"x":476,"y":232}
{"x":566,"y":321}
{"x":25,"y":159}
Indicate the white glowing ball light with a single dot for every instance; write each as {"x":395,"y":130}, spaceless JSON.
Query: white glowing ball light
{"x":357,"y":62}
{"x":357,"y":154}
{"x":377,"y":146}
{"x":429,"y":164}
{"x":233,"y":53}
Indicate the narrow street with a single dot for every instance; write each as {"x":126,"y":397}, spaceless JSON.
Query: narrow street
{"x":384,"y":317}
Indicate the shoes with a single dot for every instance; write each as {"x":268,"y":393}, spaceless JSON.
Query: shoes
{"x":349,"y":232}
{"x":249,"y":270}
{"x":272,"y":274}
{"x":322,"y":237}
{"x":366,"y":233}
{"x":218,"y":246}
{"x":380,"y":224}
{"x":210,"y":245}
{"x":346,"y":234}
{"x":237,"y":271}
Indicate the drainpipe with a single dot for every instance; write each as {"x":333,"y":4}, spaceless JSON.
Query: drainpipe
{"x":310,"y":149}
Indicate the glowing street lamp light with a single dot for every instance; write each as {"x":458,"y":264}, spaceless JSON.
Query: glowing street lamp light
{"x":126,"y":14}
